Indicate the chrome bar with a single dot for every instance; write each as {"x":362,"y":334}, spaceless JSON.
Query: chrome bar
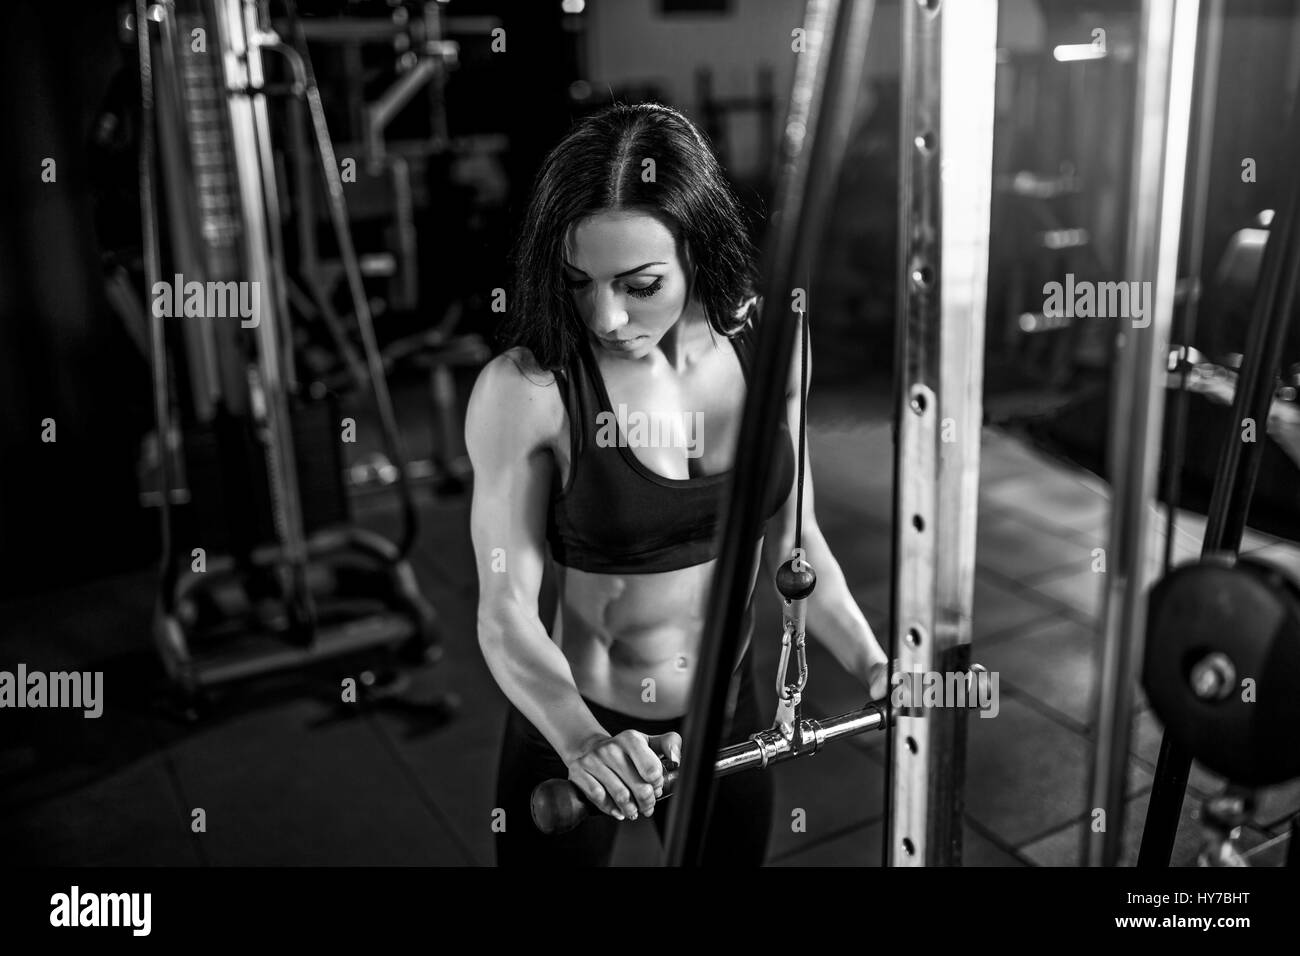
{"x":772,"y":746}
{"x":1167,"y":55}
{"x":558,"y":806}
{"x":237,"y":27}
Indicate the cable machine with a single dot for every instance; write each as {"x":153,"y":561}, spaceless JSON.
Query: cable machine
{"x":268,"y":572}
{"x":1191,"y":639}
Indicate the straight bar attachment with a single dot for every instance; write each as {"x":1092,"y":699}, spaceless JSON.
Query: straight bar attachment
{"x":558,"y":806}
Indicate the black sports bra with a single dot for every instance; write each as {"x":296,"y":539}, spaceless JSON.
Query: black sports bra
{"x":615,"y":515}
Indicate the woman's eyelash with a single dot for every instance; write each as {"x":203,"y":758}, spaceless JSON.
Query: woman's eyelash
{"x":642,"y":293}
{"x":648,"y":291}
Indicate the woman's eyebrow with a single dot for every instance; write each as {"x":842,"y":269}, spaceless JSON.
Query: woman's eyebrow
{"x":621,"y":274}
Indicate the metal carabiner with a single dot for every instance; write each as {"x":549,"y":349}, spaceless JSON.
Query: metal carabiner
{"x":790,"y":695}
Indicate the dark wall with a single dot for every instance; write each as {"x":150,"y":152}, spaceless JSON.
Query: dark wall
{"x":68,"y":509}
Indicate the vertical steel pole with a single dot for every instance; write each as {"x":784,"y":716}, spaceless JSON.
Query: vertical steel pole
{"x":1166,"y":59}
{"x":1185,"y":331}
{"x":147,"y":174}
{"x":946,"y":162}
{"x":237,"y":28}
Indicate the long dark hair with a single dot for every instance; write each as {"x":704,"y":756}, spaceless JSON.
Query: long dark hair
{"x":597,"y":167}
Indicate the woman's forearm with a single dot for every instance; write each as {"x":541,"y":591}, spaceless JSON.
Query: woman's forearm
{"x":833,"y":617}
{"x":534,"y":674}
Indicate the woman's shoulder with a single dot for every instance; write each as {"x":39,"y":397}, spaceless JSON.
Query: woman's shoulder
{"x":526,"y":366}
{"x":515,"y":392}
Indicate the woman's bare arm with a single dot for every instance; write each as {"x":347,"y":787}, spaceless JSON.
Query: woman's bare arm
{"x":506,"y":427}
{"x":832,"y":615}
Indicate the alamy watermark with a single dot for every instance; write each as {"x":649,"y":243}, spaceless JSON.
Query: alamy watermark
{"x":76,"y":908}
{"x":63,"y":689}
{"x":638,"y":429}
{"x":1085,"y":299}
{"x":213,"y":300}
{"x":921,"y":690}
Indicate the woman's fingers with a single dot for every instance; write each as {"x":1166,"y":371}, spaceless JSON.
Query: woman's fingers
{"x":593,"y":791}
{"x":878,"y":686}
{"x":648,"y":765}
{"x":597,"y":765}
{"x":618,"y":757}
{"x":624,"y":775}
{"x":668,"y":745}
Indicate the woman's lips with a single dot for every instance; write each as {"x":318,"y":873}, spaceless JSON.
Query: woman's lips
{"x":622,"y":343}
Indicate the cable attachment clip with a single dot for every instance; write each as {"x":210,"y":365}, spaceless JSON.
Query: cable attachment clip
{"x":795,"y":580}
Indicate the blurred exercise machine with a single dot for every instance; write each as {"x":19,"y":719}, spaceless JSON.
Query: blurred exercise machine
{"x":388,"y":181}
{"x":718,"y":119}
{"x":266,"y":571}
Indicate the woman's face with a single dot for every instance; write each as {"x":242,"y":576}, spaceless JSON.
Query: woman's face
{"x":626,"y":279}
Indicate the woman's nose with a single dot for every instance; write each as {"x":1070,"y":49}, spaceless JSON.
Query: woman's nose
{"x":608,"y":314}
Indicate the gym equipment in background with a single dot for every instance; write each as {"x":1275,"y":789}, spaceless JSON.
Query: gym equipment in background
{"x":1222,"y":672}
{"x":390,"y":144}
{"x":266,"y":571}
{"x":1244,"y":623}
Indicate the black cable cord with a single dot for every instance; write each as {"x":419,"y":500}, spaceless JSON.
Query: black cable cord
{"x":157,"y":336}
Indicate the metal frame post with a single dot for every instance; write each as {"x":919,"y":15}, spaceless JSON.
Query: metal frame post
{"x":946,"y":164}
{"x":1167,"y":56}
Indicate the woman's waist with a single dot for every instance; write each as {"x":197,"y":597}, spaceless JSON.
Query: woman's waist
{"x":622,"y":644}
{"x":618,"y":716}
{"x":647,"y":674}
{"x":621,"y":698}
{"x":631,"y":604}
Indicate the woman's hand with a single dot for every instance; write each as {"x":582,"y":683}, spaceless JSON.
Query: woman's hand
{"x":624,"y":775}
{"x":1284,"y":426}
{"x":876,"y":672}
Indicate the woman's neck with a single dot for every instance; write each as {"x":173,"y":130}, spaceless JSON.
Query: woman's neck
{"x":689,"y":340}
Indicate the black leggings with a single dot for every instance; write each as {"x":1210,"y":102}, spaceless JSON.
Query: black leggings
{"x":738,"y":825}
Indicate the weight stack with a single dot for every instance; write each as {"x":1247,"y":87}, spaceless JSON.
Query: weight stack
{"x":230,"y":501}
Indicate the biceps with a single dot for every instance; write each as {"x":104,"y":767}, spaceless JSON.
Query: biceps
{"x":507,"y":526}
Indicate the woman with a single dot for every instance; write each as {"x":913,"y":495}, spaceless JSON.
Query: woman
{"x":633,"y":302}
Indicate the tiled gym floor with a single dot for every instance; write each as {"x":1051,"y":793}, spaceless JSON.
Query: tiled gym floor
{"x":287,"y":775}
